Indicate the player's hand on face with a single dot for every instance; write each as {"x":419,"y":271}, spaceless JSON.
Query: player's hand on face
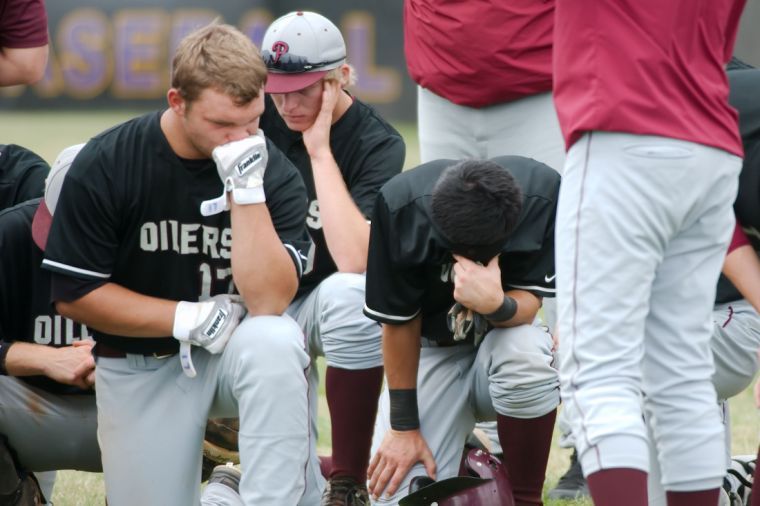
{"x":241,"y":165}
{"x":73,"y":364}
{"x":398,"y":452}
{"x":478,"y":287}
{"x":316,"y":138}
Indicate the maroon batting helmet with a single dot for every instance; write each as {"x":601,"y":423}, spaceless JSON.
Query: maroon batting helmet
{"x":482,"y":481}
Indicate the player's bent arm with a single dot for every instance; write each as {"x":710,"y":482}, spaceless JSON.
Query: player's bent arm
{"x":528,"y":305}
{"x":114,"y":309}
{"x":261,"y":266}
{"x":346,"y":229}
{"x":742,"y":268}
{"x":22,"y":65}
{"x":68,"y":364}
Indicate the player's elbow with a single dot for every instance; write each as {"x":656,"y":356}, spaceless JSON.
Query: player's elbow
{"x":24,"y":66}
{"x":273,"y":300}
{"x":68,"y":310}
{"x":268,"y":305}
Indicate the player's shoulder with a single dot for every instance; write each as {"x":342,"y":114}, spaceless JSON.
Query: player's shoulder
{"x":121,"y":147}
{"x":372,"y":120}
{"x":535,"y":178}
{"x":17,"y":220}
{"x":414,"y":184}
{"x":743,"y":85}
{"x":125,"y":141}
{"x":16,"y":160}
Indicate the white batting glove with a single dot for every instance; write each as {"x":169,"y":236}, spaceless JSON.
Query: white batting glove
{"x":241,"y":165}
{"x":208,"y":324}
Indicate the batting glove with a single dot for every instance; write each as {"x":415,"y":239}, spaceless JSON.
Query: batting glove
{"x":208,"y":324}
{"x":241,"y":165}
{"x":463,"y":321}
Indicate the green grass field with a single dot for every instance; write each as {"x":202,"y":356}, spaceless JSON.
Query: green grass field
{"x":49,"y":133}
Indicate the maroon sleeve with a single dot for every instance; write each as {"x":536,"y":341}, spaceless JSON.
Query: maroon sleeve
{"x":23,"y":24}
{"x":739,"y":239}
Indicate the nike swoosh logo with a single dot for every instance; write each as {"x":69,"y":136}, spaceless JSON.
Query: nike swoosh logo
{"x":549,"y":279}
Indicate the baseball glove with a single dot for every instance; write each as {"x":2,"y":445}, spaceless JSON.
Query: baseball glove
{"x":220,"y":444}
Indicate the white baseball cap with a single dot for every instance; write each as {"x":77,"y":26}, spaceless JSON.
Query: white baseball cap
{"x":299,"y":49}
{"x":43,"y":217}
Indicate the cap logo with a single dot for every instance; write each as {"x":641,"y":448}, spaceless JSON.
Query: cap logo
{"x":279,"y":48}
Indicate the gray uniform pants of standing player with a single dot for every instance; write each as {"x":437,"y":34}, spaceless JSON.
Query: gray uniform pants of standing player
{"x":335,"y":327}
{"x":510,"y":373}
{"x":49,"y":431}
{"x":151,"y":420}
{"x":636,"y":284}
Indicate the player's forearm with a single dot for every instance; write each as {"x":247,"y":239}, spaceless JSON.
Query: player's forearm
{"x":346,"y":229}
{"x":22,"y":65}
{"x":742,"y":268}
{"x":262,"y":269}
{"x":26,"y":359}
{"x":114,"y":309}
{"x":527,"y":309}
{"x":401,"y":354}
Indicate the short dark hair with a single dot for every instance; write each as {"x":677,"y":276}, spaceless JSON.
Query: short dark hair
{"x":476,"y":203}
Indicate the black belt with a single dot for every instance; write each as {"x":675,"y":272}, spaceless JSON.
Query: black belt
{"x":105,"y":351}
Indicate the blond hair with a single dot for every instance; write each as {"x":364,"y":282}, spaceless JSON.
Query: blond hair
{"x":336,"y":75}
{"x":221,"y":57}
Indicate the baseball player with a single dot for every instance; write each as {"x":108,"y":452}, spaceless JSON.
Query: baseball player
{"x":22,"y":175}
{"x":47,"y":413}
{"x":345,"y":152}
{"x":461,"y":255}
{"x":736,"y":315}
{"x":643,"y":223}
{"x":736,"y":324}
{"x":141,"y":253}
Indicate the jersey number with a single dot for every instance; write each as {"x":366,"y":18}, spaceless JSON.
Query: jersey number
{"x":211,"y":276}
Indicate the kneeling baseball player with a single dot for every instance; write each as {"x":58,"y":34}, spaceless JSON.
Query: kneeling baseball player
{"x":47,"y":413}
{"x":143,"y":252}
{"x":461,"y":255}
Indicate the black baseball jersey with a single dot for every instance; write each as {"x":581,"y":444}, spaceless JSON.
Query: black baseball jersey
{"x":410,"y":265}
{"x":26,"y":314}
{"x":129,"y":213}
{"x":22,"y":175}
{"x":744,"y":85}
{"x":368,"y":151}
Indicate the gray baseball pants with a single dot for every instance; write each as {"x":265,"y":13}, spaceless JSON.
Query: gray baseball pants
{"x":49,"y":431}
{"x":642,"y":229}
{"x":510,"y":373}
{"x":151,"y":419}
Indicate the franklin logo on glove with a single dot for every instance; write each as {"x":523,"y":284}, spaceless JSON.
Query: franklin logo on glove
{"x":246,"y":164}
{"x":216,"y":323}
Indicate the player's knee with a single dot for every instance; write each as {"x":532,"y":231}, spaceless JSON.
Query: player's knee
{"x":342,"y":291}
{"x":261,"y":340}
{"x":522,"y":380}
{"x":349,"y":339}
{"x":513,"y":352}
